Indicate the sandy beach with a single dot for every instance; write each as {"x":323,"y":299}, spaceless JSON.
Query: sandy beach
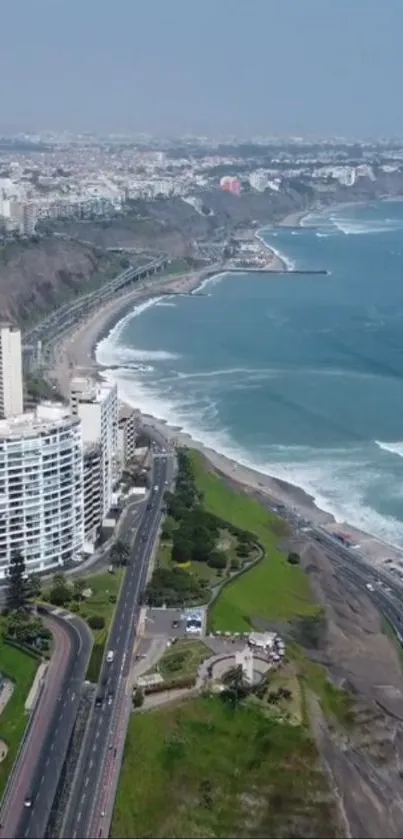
{"x":76,"y":352}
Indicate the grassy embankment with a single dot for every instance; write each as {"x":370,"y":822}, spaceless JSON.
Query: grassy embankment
{"x":273,"y":589}
{"x":209,"y":769}
{"x":183,"y":659}
{"x":20,"y":668}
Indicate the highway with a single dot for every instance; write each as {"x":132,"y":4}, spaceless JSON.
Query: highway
{"x":37,"y":771}
{"x":91,"y":802}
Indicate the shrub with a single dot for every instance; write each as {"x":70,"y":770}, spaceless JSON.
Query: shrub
{"x":171,"y":684}
{"x":217,"y":560}
{"x":96,"y":622}
{"x":138,"y":698}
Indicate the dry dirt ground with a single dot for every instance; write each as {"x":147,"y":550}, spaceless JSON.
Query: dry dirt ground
{"x":366,"y":762}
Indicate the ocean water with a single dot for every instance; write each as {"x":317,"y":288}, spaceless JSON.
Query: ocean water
{"x":298,"y":376}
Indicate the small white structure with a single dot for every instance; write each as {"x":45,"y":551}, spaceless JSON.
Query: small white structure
{"x":245,"y":659}
{"x":264,"y":641}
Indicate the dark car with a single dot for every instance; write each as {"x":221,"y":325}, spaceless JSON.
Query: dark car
{"x":176,"y":624}
{"x":99,"y":700}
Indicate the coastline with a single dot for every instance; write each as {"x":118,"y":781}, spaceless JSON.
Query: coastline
{"x":77,"y":350}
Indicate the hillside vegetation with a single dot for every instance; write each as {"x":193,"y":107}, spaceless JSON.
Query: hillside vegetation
{"x":38,"y":274}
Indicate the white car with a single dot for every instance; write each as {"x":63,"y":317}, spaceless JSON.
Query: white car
{"x":110,"y":656}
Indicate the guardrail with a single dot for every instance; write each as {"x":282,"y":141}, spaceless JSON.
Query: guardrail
{"x":10,"y":779}
{"x":93,"y":297}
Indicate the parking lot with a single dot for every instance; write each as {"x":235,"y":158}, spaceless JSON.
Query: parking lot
{"x":170,"y":623}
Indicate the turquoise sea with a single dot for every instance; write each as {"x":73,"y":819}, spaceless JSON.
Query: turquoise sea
{"x":298,"y":376}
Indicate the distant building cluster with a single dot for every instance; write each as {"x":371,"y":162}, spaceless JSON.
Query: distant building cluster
{"x":84,"y":178}
{"x":59,"y":465}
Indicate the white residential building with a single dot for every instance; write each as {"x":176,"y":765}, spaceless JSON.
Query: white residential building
{"x":11,"y":399}
{"x":41,"y":489}
{"x":97,"y":406}
{"x":128,"y":425}
{"x":92,"y":494}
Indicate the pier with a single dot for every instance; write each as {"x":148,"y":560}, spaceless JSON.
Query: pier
{"x":285,"y":271}
{"x":182,"y":294}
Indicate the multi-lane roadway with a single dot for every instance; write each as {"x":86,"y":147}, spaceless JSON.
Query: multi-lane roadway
{"x":91,"y":802}
{"x":32,"y":786}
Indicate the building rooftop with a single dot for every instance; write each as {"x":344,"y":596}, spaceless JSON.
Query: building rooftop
{"x":89,"y":390}
{"x":46,"y":416}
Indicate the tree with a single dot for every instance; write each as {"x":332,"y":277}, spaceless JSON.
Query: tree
{"x":60,"y":595}
{"x":33,"y":587}
{"x":59,"y":579}
{"x":16,"y":598}
{"x":78,"y":588}
{"x":168,"y":528}
{"x":119,"y":553}
{"x":138,"y":698}
{"x":181,"y":550}
{"x":235,"y":686}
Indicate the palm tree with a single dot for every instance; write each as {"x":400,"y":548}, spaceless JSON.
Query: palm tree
{"x":119,"y":553}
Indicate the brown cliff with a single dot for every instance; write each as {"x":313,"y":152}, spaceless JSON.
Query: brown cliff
{"x":38,"y":275}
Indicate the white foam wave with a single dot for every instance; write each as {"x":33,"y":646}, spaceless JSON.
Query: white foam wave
{"x":392,"y":448}
{"x":356,"y":228}
{"x":110,"y":354}
{"x":165,"y":304}
{"x":212,"y":281}
{"x":225,"y":371}
{"x":335,"y":478}
{"x":288,"y":262}
{"x":111,"y":339}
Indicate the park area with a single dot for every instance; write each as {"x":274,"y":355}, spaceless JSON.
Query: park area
{"x":20,"y":668}
{"x":273,"y":589}
{"x":93,"y":599}
{"x":211,"y":769}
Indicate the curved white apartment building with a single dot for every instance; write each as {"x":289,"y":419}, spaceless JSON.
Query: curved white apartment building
{"x":41,"y":488}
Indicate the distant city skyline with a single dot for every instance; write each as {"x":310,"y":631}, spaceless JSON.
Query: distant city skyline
{"x":269,"y":67}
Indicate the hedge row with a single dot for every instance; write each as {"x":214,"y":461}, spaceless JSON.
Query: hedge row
{"x":26,"y":649}
{"x":171,"y":684}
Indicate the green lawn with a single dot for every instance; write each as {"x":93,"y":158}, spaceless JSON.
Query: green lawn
{"x":105,"y":591}
{"x":21,"y":669}
{"x":273,"y":589}
{"x":206,"y":769}
{"x":227,"y":544}
{"x":183,"y":659}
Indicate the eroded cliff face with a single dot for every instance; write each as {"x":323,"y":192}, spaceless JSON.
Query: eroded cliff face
{"x":365,"y":761}
{"x":37,"y":275}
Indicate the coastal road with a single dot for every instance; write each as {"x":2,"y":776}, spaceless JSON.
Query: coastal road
{"x":37,"y":771}
{"x":385,"y":594}
{"x":91,"y":802}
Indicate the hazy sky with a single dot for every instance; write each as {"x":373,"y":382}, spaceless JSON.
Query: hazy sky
{"x":205,"y":66}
